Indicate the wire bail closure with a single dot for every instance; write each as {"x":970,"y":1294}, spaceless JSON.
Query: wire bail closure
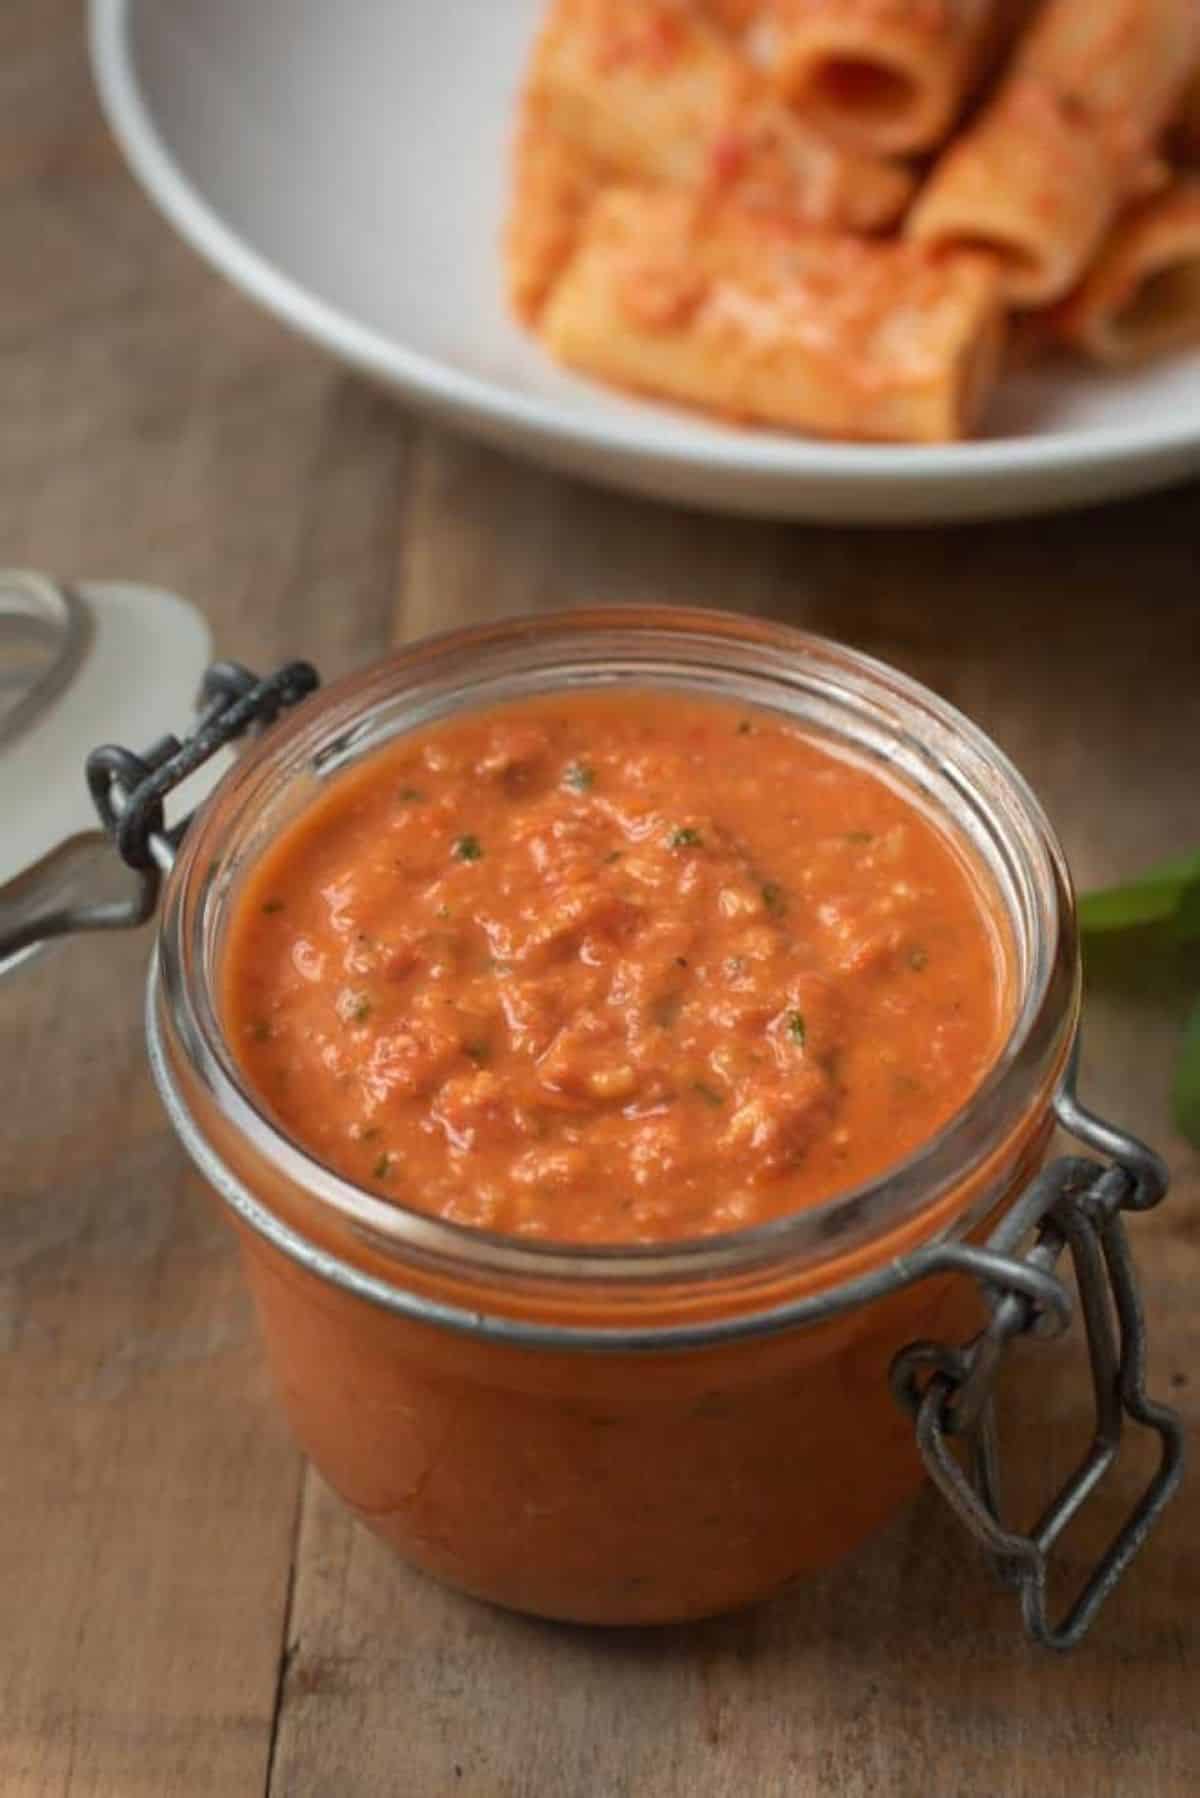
{"x":129,"y":791}
{"x":1075,"y":1204}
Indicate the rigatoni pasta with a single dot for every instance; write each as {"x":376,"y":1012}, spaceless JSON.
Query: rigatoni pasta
{"x":1122,"y":63}
{"x":734,"y":15}
{"x":1185,"y":127}
{"x":707,"y":205}
{"x":1065,"y":143}
{"x":1032,"y":184}
{"x":885,"y":75}
{"x":1142,"y":296}
{"x":764,"y":320}
{"x":651,"y":93}
{"x":554,"y":182}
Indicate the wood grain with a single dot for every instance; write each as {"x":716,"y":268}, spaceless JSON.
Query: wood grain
{"x":156,"y":427}
{"x":185,"y":1612}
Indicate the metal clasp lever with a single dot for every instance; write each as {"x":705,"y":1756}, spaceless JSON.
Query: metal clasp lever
{"x":129,"y":791}
{"x":58,"y":895}
{"x":1075,"y":1204}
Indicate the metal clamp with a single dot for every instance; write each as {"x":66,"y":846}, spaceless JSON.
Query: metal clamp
{"x":66,"y":891}
{"x":129,"y":791}
{"x":1076,"y":1205}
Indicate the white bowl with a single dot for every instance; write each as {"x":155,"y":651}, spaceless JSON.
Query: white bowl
{"x":346,"y":165}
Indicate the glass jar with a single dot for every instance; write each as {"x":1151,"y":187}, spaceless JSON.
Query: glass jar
{"x":644,"y":1434}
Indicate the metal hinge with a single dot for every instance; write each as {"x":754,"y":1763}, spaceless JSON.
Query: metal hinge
{"x":129,"y":791}
{"x":1076,"y":1204}
{"x":64,"y":893}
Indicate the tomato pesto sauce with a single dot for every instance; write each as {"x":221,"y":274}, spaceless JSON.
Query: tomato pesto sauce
{"x":603,"y":968}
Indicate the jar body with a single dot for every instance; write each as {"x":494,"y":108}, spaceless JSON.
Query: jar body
{"x":609,"y":1488}
{"x":526,"y":1422}
{"x":614,"y":1487}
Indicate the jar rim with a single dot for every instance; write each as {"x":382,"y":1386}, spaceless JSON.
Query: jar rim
{"x":918,"y":734}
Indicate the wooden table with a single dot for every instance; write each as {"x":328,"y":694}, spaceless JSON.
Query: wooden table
{"x":185,"y":1610}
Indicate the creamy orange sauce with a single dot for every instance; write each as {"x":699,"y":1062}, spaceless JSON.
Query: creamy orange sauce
{"x":614,"y":968}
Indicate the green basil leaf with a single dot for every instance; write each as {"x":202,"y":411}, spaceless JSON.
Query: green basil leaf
{"x":1169,"y":891}
{"x":1186,"y":1094}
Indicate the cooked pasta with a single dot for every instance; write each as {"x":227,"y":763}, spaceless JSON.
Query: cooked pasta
{"x":652,"y":94}
{"x":764,"y":320}
{"x":1142,"y":296}
{"x":1042,"y":174}
{"x":707,"y":205}
{"x":1122,"y":63}
{"x":1030,"y":184}
{"x":886,"y":75}
{"x":734,"y":15}
{"x":1185,"y":127}
{"x":554,"y":182}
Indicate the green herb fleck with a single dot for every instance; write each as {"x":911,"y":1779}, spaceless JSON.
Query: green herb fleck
{"x":468,"y":849}
{"x":797,"y":1029}
{"x":709,"y":1094}
{"x":370,"y":1134}
{"x":614,"y":855}
{"x":261,"y":1031}
{"x":774,"y":898}
{"x":685,"y":838}
{"x":359,"y":1011}
{"x":918,"y":959}
{"x":383,"y":1167}
{"x":579,"y":777}
{"x":272,"y":906}
{"x":477,"y":1052}
{"x":860,"y":836}
{"x":412,"y":796}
